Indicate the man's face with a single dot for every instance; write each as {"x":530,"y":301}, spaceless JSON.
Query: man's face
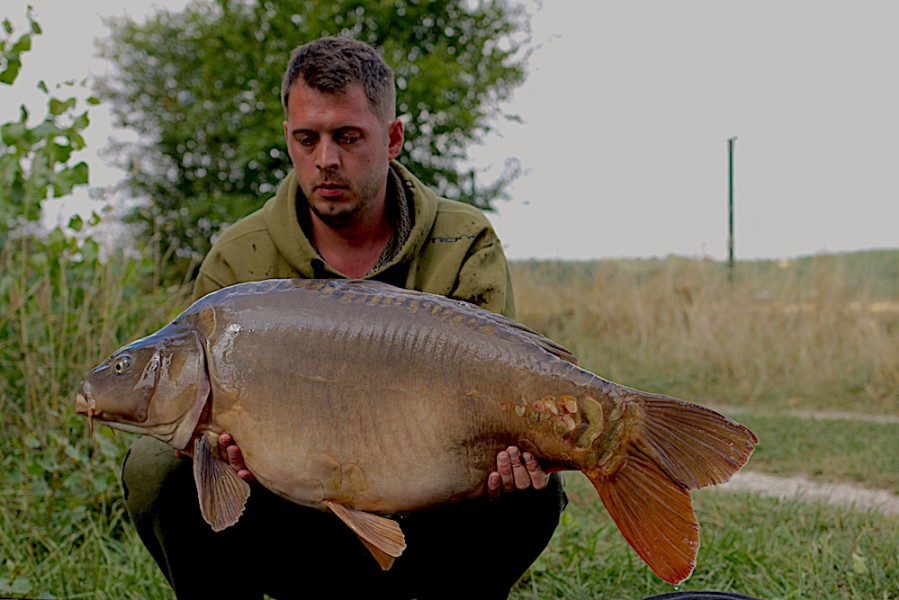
{"x":340,"y":150}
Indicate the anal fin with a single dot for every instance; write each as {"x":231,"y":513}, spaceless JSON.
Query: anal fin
{"x":222,"y":493}
{"x":382,"y":536}
{"x":654,"y":514}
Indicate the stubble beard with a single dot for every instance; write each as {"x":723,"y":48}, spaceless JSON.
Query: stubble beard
{"x":335,"y":215}
{"x":345,"y":213}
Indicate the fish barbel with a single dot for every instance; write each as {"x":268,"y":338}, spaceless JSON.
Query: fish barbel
{"x":365,"y":399}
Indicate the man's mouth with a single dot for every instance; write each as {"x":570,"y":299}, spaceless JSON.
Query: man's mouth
{"x":331,"y":188}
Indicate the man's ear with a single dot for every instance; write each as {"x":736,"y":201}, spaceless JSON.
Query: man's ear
{"x":287,"y":138}
{"x":395,"y":137}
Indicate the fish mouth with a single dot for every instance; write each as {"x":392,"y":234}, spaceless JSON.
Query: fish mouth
{"x":85,"y":405}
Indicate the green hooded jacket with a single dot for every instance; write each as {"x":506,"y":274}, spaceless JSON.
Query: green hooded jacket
{"x":452,"y":250}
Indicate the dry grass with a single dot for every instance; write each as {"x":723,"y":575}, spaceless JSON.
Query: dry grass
{"x":817,"y":333}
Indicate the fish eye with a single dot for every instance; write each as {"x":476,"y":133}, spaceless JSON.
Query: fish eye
{"x":121,"y":365}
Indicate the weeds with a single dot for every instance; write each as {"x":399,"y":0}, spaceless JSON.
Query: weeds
{"x":63,"y":530}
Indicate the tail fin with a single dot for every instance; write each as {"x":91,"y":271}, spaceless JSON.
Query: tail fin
{"x":655,"y":515}
{"x":696,"y":446}
{"x":677,"y":446}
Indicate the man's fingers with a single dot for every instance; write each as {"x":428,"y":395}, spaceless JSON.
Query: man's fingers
{"x":504,"y":466}
{"x":225,"y":441}
{"x":515,"y":470}
{"x":539,"y":479}
{"x":235,"y":457}
{"x":494,"y":485}
{"x":519,"y":472}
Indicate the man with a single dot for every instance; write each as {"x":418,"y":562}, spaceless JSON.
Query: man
{"x":348,"y":210}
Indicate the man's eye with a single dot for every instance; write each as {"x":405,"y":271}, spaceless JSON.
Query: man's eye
{"x":305,"y":141}
{"x":348,"y":138}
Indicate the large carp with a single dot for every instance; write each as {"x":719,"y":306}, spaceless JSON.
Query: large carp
{"x":365,"y":399}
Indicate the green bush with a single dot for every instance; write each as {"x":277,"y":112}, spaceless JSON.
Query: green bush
{"x":63,"y":307}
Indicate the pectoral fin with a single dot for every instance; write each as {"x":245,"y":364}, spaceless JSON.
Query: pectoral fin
{"x":383,"y":537}
{"x":222,"y":493}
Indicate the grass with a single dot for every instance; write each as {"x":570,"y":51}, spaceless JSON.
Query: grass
{"x":750,"y":545}
{"x":820,"y":333}
{"x":63,"y":529}
{"x":826,"y":450}
{"x":93,"y":553}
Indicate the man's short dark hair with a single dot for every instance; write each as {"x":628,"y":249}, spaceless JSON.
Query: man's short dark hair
{"x":330,"y":64}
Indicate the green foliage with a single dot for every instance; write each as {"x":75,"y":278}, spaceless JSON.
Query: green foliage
{"x":11,"y":51}
{"x":36,"y":162}
{"x":202,"y":89}
{"x":62,"y":308}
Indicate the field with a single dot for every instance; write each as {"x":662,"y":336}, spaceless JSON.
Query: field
{"x":780,"y":346}
{"x":804,"y":352}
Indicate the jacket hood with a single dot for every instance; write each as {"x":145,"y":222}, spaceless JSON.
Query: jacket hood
{"x":281,"y":221}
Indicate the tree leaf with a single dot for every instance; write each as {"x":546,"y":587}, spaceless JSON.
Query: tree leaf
{"x":9,"y":74}
{"x":76,"y":223}
{"x":22,"y":45}
{"x":58,"y":107}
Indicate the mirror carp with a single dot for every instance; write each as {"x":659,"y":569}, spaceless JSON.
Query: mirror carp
{"x":367,"y":400}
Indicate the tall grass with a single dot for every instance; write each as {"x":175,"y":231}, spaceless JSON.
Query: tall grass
{"x":63,"y":530}
{"x":818,"y":333}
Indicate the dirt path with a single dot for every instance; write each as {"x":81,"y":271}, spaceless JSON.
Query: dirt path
{"x":731,"y":411}
{"x":793,"y":487}
{"x":843,"y":416}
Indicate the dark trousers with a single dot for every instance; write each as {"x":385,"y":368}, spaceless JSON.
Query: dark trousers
{"x":473,"y":549}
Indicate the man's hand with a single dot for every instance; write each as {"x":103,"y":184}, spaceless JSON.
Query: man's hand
{"x":230,"y":451}
{"x":515,"y":471}
{"x":235,"y":458}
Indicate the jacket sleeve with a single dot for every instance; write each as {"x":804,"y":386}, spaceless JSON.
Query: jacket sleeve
{"x":484,"y":278}
{"x":214,"y":275}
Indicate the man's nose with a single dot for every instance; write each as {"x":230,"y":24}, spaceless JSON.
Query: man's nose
{"x":328,"y":155}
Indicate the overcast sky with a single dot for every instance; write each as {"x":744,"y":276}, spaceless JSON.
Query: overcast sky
{"x":627,"y":110}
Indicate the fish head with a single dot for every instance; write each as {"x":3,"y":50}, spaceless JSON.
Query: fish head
{"x":156,"y":386}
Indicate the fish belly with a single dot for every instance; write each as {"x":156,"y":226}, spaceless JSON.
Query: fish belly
{"x":382,"y":414}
